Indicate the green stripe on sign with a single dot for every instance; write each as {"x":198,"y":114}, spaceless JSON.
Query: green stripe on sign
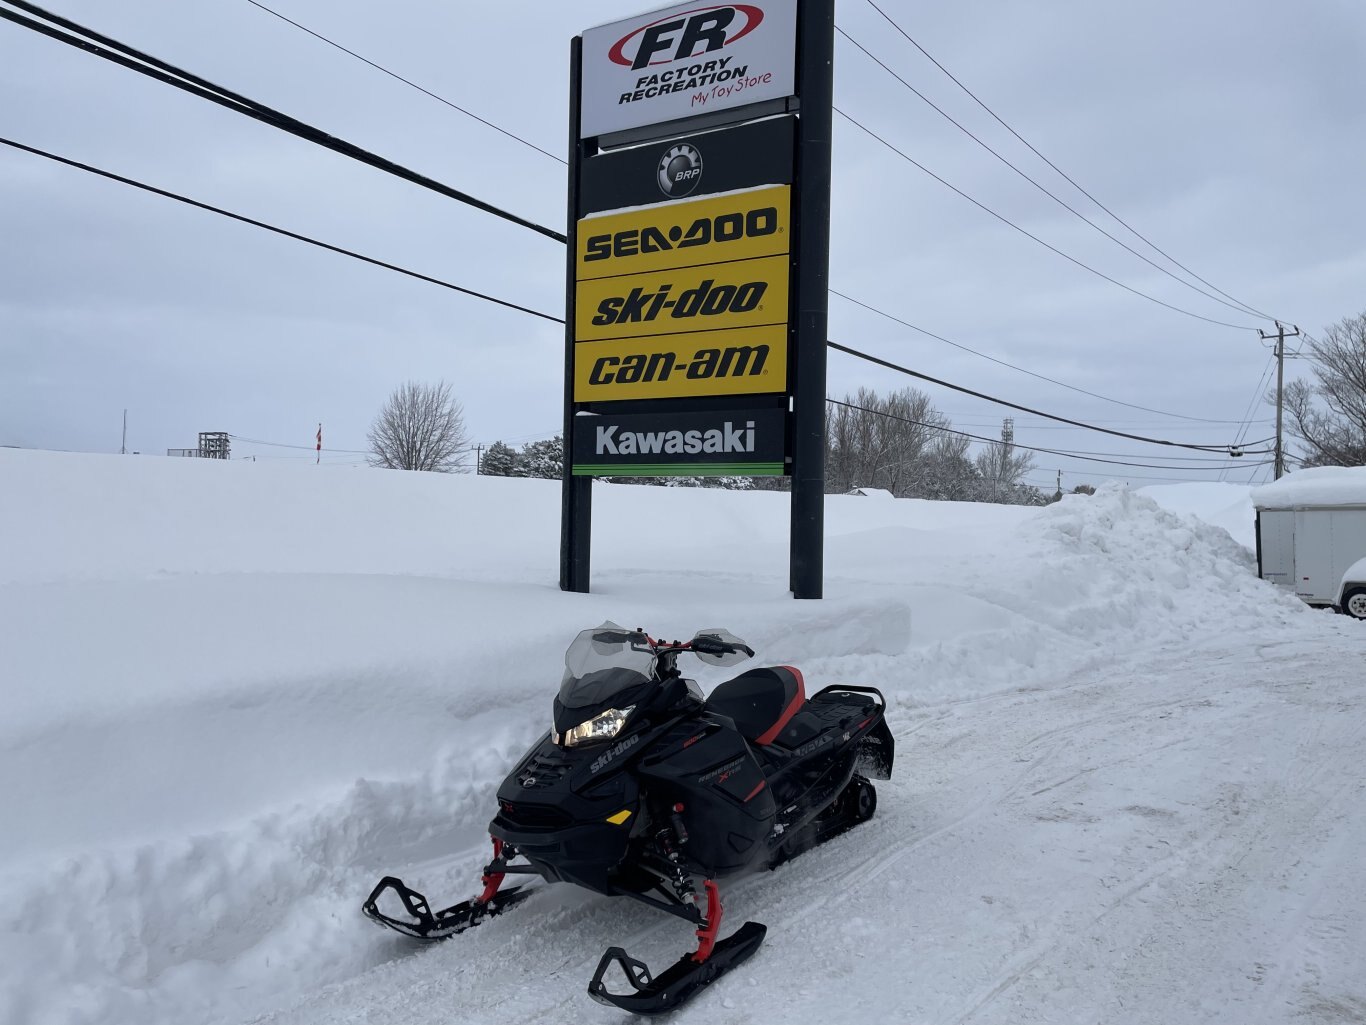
{"x":679,"y":470}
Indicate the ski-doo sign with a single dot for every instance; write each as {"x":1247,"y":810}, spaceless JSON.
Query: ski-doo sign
{"x":690,"y":59}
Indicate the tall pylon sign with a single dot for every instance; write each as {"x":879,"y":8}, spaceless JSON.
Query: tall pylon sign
{"x":698,"y":258}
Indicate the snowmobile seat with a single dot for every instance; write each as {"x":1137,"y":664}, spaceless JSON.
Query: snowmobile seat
{"x":760,"y":702}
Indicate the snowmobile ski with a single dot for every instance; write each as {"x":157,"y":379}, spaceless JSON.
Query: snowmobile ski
{"x":423,"y":924}
{"x":681,"y":981}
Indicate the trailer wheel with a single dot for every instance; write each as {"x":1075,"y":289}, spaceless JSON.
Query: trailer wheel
{"x":1354,"y":603}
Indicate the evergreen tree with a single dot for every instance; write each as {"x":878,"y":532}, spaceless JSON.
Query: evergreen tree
{"x":498,"y":461}
{"x":543,"y":459}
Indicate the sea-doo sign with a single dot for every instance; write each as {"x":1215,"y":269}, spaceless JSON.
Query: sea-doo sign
{"x":742,"y":226}
{"x":732,"y":442}
{"x":693,"y":58}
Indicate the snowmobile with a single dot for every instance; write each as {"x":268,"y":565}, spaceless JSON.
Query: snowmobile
{"x":645,"y":789}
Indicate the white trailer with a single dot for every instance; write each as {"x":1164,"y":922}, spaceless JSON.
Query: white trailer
{"x":1311,"y":536}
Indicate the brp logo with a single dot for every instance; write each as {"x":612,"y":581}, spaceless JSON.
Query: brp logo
{"x":680,"y":169}
{"x":678,"y":37}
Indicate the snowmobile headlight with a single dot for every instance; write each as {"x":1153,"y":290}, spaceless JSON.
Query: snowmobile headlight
{"x":603,"y":726}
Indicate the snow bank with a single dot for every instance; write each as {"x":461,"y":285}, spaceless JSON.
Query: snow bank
{"x":235,"y":693}
{"x":1123,"y":564}
{"x":1222,"y":504}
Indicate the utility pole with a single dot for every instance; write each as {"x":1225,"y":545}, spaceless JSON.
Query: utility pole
{"x":478,"y":459}
{"x":123,"y":445}
{"x":1281,"y":335}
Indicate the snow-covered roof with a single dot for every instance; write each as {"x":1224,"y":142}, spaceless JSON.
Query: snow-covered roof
{"x":871,"y":492}
{"x":1320,"y":486}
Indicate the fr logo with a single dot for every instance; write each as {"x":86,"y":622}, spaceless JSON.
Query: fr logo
{"x":679,"y":38}
{"x":680,"y":169}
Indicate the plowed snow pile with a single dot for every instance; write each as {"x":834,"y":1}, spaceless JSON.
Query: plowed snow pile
{"x":236,"y":694}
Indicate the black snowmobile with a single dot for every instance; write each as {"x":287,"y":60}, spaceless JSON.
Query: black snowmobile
{"x":645,"y":789}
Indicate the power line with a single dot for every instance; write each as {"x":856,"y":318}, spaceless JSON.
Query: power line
{"x":1051,"y":195}
{"x":279,"y":231}
{"x":1071,"y":181}
{"x":1030,"y":448}
{"x":1024,"y":409}
{"x":1012,"y":366}
{"x":391,"y":74}
{"x":1005,"y":220}
{"x":1148,"y":476}
{"x":144,"y":64}
{"x":1247,"y":421}
{"x":309,"y":448}
{"x":1036,"y":426}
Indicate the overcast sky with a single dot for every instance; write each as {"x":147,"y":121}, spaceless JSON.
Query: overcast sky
{"x":1232,"y":134}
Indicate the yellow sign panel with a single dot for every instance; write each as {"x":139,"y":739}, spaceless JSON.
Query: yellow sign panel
{"x":747,"y":293}
{"x":739,"y":226}
{"x":747,"y":362}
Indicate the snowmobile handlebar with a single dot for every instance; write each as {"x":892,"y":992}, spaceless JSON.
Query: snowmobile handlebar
{"x":703,"y":644}
{"x":710,"y":644}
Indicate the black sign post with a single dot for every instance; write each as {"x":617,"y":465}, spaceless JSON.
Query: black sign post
{"x":811,"y":297}
{"x":698,"y":259}
{"x":576,"y":498}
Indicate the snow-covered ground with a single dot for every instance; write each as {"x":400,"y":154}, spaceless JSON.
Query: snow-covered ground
{"x":1130,"y":781}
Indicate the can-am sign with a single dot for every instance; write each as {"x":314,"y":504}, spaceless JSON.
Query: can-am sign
{"x":686,"y":60}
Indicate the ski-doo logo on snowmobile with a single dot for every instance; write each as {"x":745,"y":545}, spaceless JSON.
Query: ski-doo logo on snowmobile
{"x":814,"y":745}
{"x":722,"y":774}
{"x":607,"y":757}
{"x":680,"y":170}
{"x":675,"y":38}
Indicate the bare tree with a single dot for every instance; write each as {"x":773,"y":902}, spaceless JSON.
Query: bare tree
{"x":946,"y":473}
{"x":1335,"y":435}
{"x":877,"y":441}
{"x":421,"y":427}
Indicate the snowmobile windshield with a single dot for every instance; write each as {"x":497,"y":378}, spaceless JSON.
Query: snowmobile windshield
{"x":602,"y":662}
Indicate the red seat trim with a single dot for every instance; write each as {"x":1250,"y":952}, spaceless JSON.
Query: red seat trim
{"x":798,"y":699}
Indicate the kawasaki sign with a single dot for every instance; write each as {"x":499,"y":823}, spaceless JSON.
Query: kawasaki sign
{"x":694,"y":58}
{"x":731,"y":442}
